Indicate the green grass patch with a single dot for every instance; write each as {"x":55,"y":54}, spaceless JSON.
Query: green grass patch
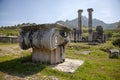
{"x":97,"y":65}
{"x":9,"y":31}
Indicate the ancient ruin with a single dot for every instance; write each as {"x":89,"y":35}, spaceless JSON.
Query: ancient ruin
{"x":98,"y":35}
{"x":114,"y":53}
{"x":76,"y":34}
{"x":80,"y":24}
{"x":93,"y":36}
{"x":90,"y":10}
{"x":46,"y":40}
{"x":9,"y":39}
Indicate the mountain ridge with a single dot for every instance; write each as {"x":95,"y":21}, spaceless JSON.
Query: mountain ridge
{"x":74,"y":23}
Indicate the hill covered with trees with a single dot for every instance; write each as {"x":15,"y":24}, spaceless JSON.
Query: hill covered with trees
{"x":12,"y":30}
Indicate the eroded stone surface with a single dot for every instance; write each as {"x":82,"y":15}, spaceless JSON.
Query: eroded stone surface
{"x":114,"y":53}
{"x":70,"y":65}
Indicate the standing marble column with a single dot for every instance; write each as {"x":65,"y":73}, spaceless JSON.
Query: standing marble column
{"x":80,"y":24}
{"x":90,"y":10}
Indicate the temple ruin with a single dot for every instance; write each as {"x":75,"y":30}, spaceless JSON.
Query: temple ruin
{"x":76,"y":34}
{"x":46,"y":40}
{"x":80,"y":24}
{"x":90,"y":10}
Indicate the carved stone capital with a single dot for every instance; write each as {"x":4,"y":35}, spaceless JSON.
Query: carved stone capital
{"x":80,"y":11}
{"x":90,"y":10}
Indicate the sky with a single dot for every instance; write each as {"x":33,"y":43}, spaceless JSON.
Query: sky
{"x":14,"y":12}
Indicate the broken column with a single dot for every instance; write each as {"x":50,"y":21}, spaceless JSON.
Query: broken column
{"x":90,"y":10}
{"x":80,"y":24}
{"x":75,"y":34}
{"x":46,"y":40}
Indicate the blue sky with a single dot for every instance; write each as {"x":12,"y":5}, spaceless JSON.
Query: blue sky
{"x":49,"y":11}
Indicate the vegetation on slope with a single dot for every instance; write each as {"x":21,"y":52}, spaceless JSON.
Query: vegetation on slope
{"x":12,"y":30}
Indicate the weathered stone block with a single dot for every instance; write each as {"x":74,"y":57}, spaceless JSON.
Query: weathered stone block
{"x":114,"y":53}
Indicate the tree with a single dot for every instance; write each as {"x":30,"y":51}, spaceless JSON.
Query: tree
{"x":116,"y":42}
{"x":109,"y":34}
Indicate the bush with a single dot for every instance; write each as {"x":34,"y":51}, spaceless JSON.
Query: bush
{"x":116,"y":35}
{"x":116,"y":42}
{"x":109,"y":34}
{"x":106,"y":48}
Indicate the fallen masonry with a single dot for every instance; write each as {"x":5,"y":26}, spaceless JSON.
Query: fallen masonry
{"x":69,"y":66}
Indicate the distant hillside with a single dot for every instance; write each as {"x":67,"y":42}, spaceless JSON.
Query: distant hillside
{"x":74,"y":23}
{"x":12,"y":30}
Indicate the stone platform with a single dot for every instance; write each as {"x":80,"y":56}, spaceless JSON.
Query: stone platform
{"x":70,"y":65}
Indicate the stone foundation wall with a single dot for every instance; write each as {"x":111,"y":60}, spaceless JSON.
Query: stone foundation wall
{"x":9,"y":39}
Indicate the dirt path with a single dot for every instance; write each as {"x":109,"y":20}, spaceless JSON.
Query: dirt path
{"x":10,"y":50}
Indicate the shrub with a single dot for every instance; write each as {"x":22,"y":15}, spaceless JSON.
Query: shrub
{"x":116,"y":42}
{"x":116,"y":35}
{"x":109,"y":34}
